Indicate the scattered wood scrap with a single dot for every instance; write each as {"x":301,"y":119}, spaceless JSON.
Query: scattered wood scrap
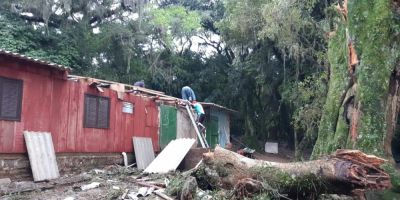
{"x":161,"y":194}
{"x":144,"y":184}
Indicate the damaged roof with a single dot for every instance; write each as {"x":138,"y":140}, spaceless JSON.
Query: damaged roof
{"x":34,"y":60}
{"x":161,"y":95}
{"x":204,"y":104}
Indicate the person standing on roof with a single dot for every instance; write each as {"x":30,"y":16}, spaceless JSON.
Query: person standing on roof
{"x":188,"y":94}
{"x":139,"y":83}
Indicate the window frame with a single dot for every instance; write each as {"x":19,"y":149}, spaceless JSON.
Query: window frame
{"x":20,"y":97}
{"x":85,"y":125}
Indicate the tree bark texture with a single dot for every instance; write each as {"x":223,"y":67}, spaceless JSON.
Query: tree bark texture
{"x":347,"y":170}
{"x":363,"y":53}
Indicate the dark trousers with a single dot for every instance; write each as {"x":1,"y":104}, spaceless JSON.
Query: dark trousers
{"x":201,"y":118}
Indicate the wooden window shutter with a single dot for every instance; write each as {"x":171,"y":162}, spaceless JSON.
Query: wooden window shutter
{"x":10,"y":99}
{"x":90,"y":111}
{"x":97,"y":112}
{"x":103,"y":113}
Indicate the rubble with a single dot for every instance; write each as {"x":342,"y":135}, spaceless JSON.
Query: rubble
{"x":142,"y":192}
{"x":90,"y":186}
{"x":133,"y":196}
{"x":116,"y":188}
{"x":207,"y":180}
{"x":161,"y":194}
{"x":5,"y":181}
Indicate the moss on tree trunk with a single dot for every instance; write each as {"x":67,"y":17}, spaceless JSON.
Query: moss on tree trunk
{"x":331,"y":128}
{"x":371,"y":27}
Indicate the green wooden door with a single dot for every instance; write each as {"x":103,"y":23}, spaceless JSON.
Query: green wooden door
{"x":212,"y":131}
{"x":168,"y":125}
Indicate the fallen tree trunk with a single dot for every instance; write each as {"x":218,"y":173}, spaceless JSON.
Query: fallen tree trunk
{"x":342,"y":172}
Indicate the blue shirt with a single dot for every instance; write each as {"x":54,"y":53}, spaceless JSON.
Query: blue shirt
{"x":188,"y":94}
{"x":198,"y":108}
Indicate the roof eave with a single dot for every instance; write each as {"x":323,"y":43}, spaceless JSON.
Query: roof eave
{"x":36,"y":61}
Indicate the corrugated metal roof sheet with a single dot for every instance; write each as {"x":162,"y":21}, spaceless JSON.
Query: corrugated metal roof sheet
{"x":218,"y":107}
{"x":170,"y":158}
{"x":41,"y":155}
{"x":34,"y":60}
{"x":144,"y":153}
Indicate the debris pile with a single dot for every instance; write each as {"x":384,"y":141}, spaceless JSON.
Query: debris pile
{"x":222,"y":174}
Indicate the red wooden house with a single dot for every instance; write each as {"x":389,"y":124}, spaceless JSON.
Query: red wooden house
{"x":40,"y":96}
{"x":90,"y":120}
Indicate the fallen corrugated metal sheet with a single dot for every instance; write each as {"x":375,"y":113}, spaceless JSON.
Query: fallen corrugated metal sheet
{"x":171,"y":156}
{"x":41,"y":155}
{"x":144,"y":153}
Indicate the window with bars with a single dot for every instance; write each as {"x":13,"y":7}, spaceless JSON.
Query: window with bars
{"x":10,"y":99}
{"x":97,"y":112}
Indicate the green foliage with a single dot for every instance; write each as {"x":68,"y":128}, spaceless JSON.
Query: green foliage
{"x":114,"y":194}
{"x":241,"y":22}
{"x":277,"y":182}
{"x":274,"y":55}
{"x":18,"y":36}
{"x":306,"y":98}
{"x":284,"y":21}
{"x":394,"y":175}
{"x":177,"y":20}
{"x":175,"y":185}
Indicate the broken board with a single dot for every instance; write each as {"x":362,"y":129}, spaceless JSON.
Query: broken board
{"x":172,"y":155}
{"x":144,"y":153}
{"x":42,"y":157}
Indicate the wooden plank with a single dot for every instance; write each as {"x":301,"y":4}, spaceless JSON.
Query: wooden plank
{"x":80,"y":134}
{"x":41,"y":154}
{"x":129,"y":126}
{"x":171,"y":156}
{"x":144,"y":152}
{"x":19,"y":142}
{"x":59,"y":115}
{"x":201,"y":138}
{"x":72,"y":117}
{"x":118,"y":130}
{"x":6,"y":136}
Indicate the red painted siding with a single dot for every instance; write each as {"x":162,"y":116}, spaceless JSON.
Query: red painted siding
{"x":51,"y":103}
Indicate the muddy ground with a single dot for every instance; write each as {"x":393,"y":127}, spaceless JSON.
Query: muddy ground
{"x":114,"y":181}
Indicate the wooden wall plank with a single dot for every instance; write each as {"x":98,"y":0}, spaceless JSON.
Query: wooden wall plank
{"x":72,"y":117}
{"x":7,"y":135}
{"x":60,"y":114}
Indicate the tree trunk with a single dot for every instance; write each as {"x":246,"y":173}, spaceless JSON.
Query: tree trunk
{"x":347,"y":170}
{"x":363,"y":53}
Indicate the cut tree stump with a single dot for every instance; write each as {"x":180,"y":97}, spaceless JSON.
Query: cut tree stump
{"x":342,"y":172}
